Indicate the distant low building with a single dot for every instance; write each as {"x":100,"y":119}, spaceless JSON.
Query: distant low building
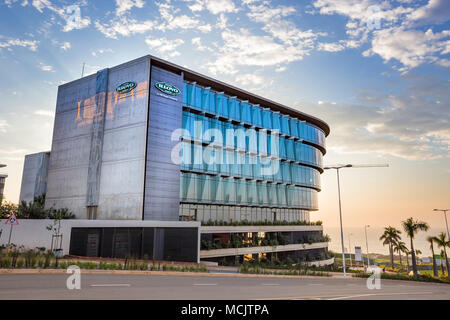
{"x":2,"y":185}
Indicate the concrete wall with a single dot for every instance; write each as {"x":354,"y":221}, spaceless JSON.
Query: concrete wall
{"x":34,"y":177}
{"x":162,"y":179}
{"x":121,"y":175}
{"x":124,"y":141}
{"x":32,"y":233}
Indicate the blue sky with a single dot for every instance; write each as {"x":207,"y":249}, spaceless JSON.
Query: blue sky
{"x":376,"y":71}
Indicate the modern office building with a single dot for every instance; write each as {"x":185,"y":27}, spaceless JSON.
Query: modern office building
{"x":152,"y":141}
{"x":2,"y":182}
{"x":34,"y":176}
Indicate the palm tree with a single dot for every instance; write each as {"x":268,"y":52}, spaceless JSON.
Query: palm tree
{"x":418,"y":252}
{"x":442,"y":263}
{"x":430,"y":239}
{"x":442,"y":242}
{"x":390,"y":237}
{"x":401,"y":247}
{"x":411,"y":227}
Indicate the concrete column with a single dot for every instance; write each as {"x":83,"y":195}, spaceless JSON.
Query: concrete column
{"x":98,"y":127}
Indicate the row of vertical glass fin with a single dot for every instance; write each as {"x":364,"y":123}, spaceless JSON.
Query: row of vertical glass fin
{"x":218,"y":103}
{"x":199,"y":128}
{"x":201,"y":188}
{"x":244,"y":165}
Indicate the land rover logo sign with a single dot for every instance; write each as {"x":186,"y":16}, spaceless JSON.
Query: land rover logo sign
{"x":167,"y":88}
{"x":126,"y":87}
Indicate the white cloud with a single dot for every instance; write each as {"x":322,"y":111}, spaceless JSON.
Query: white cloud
{"x":250,"y":79}
{"x":408,"y":125}
{"x":213,"y":6}
{"x":124,"y":27}
{"x":435,"y":11}
{"x":164,"y":46}
{"x":391,"y":26}
{"x":65,"y":46}
{"x":411,"y":47}
{"x":30,"y":44}
{"x":45,"y":67}
{"x":126,"y":5}
{"x":98,"y":52}
{"x":3,"y":125}
{"x":71,"y":14}
{"x":184,"y":22}
{"x":241,"y":48}
{"x":197,"y":42}
{"x":45,"y":113}
{"x":330,"y":47}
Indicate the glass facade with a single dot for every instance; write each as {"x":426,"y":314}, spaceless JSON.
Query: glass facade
{"x":240,"y":161}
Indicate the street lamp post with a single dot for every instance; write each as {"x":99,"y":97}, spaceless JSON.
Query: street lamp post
{"x":445,"y":215}
{"x":337,"y":167}
{"x":350,"y":249}
{"x":340,"y":211}
{"x":367,"y":245}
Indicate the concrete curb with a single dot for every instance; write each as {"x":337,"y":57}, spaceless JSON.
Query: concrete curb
{"x":160,"y":273}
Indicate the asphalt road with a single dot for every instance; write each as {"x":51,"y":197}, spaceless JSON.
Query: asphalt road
{"x":124,"y":286}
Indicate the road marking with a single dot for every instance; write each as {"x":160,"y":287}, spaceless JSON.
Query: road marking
{"x":111,"y":285}
{"x":315,"y":284}
{"x":205,"y":284}
{"x":377,"y":294}
{"x":270,"y":284}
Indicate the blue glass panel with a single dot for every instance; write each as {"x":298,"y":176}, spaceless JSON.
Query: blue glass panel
{"x":232,"y":108}
{"x":197,"y":154}
{"x":267,"y":119}
{"x":256,"y":166}
{"x":281,"y":193}
{"x":283,"y":154}
{"x":286,"y":172}
{"x":272,"y":193}
{"x":276,"y":122}
{"x":246,"y":113}
{"x":251,"y":141}
{"x":198,"y":97}
{"x":235,"y":168}
{"x":229,"y":135}
{"x":302,"y":129}
{"x":186,"y":155}
{"x":298,"y":151}
{"x":252,"y":192}
{"x":225,"y":111}
{"x":285,"y":125}
{"x":290,"y":154}
{"x":212,"y":102}
{"x":205,"y":99}
{"x":191,"y":94}
{"x":219,"y":103}
{"x":294,"y":127}
{"x":185,"y":95}
{"x":256,"y":116}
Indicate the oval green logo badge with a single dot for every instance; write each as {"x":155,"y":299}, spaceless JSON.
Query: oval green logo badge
{"x":126,"y":87}
{"x":167,"y":88}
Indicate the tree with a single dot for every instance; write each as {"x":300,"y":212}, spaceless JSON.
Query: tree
{"x":430,"y":240}
{"x":442,"y":262}
{"x":390,"y":237}
{"x":401,"y":247}
{"x":32,"y":210}
{"x":411,"y":227}
{"x":36,"y":210}
{"x":418,"y":252}
{"x":442,"y":242}
{"x":7,"y":209}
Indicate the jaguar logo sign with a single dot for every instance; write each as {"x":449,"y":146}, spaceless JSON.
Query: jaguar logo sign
{"x":126,"y":87}
{"x":167,"y":88}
